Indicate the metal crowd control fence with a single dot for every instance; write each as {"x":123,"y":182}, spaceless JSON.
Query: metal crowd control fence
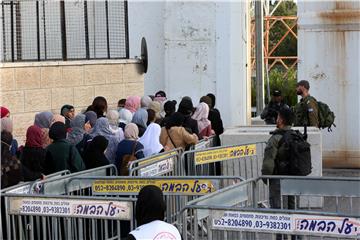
{"x":237,"y":212}
{"x":56,"y":185}
{"x":177,"y":190}
{"x":163,"y":164}
{"x":66,"y":217}
{"x":24,"y":187}
{"x":237,"y":160}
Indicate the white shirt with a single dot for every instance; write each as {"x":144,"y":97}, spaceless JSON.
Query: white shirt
{"x":156,"y":230}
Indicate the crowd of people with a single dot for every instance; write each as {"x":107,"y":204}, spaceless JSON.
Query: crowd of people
{"x":140,"y":127}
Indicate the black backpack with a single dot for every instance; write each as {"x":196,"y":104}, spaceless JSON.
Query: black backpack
{"x":298,"y":158}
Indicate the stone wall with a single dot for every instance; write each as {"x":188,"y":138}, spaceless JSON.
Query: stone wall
{"x":28,"y":88}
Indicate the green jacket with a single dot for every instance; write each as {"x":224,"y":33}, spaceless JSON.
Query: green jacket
{"x":306,"y":112}
{"x":273,"y":153}
{"x":61,"y":155}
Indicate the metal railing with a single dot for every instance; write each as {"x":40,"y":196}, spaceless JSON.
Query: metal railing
{"x":241,"y":211}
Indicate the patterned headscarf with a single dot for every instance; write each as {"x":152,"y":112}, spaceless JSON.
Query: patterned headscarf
{"x":78,"y":131}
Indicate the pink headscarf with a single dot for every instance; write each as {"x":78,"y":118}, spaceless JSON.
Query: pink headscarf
{"x":132,"y":103}
{"x":201,"y":116}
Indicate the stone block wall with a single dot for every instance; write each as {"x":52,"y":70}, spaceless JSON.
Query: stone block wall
{"x":28,"y":88}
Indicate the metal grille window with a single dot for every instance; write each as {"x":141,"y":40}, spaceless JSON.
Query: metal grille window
{"x":37,"y":30}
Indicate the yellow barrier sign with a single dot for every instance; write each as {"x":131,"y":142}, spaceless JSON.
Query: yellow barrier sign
{"x":131,"y":186}
{"x":223,"y":154}
{"x":156,"y":158}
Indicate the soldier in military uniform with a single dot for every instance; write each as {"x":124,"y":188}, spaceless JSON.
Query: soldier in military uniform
{"x":271,"y":110}
{"x":306,"y":111}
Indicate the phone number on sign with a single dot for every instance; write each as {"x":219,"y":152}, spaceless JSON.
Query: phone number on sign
{"x":251,"y":224}
{"x":45,"y":210}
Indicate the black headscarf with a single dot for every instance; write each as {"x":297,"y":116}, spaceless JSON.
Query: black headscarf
{"x":213,"y":99}
{"x":186,"y":106}
{"x":169,"y":107}
{"x":175,"y":120}
{"x":150,"y":205}
{"x":94,"y":154}
{"x":57,"y":131}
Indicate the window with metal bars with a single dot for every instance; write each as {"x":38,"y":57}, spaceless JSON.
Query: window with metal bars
{"x":40,"y":30}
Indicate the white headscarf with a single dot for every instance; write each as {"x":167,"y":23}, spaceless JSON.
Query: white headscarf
{"x":125,"y":116}
{"x":151,"y":141}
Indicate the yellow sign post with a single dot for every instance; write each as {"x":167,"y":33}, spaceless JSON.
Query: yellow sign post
{"x":223,"y":154}
{"x":176,"y":186}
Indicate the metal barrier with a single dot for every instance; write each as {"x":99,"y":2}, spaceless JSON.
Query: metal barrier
{"x":56,"y":185}
{"x":177,"y":190}
{"x":204,"y":143}
{"x":67,"y":217}
{"x":24,"y":187}
{"x":238,"y":211}
{"x":163,"y":164}
{"x":237,"y":160}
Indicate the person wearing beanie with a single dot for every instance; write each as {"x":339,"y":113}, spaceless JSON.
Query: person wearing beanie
{"x":5,"y":112}
{"x":61,"y":155}
{"x":186,"y":108}
{"x":270,"y":112}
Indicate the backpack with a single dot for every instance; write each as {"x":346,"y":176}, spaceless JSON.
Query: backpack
{"x":126,"y":160}
{"x":326,"y":116}
{"x":298,"y":157}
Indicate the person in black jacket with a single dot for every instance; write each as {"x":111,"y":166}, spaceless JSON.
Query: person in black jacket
{"x":270,"y":112}
{"x":215,"y":119}
{"x":186,"y":108}
{"x":94,"y":154}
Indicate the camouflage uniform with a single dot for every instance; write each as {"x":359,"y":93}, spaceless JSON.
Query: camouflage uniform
{"x":306,"y":112}
{"x":273,"y":153}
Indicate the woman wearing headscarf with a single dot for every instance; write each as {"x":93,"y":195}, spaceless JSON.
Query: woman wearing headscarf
{"x":132,"y":103}
{"x":43,"y":120}
{"x":33,"y":154}
{"x":61,"y":155}
{"x":102,"y":128}
{"x":169,"y":108}
{"x":58,"y":118}
{"x":125,"y":118}
{"x":156,"y":106}
{"x":68,"y":112}
{"x":113,"y":117}
{"x":201,"y":116}
{"x":4,"y":112}
{"x":150,"y":214}
{"x":79,"y":136}
{"x":11,"y":171}
{"x":186,"y":108}
{"x":140,"y":118}
{"x":7,"y":125}
{"x":145,"y":102}
{"x":94,"y":154}
{"x":91,"y":117}
{"x":174,"y":135}
{"x":215,"y":119}
{"x":150,"y":140}
{"x":129,"y":145}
